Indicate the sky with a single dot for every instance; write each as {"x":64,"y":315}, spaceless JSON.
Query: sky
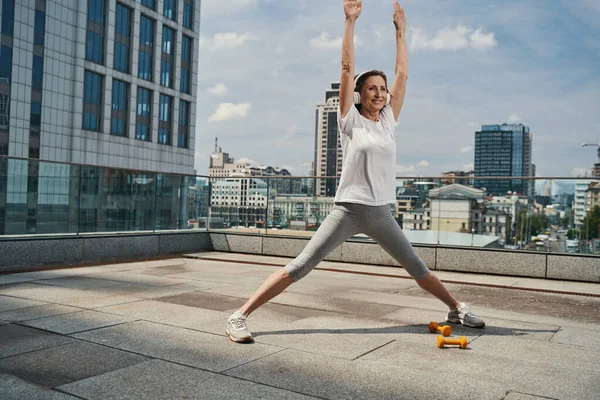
{"x":263,"y":65}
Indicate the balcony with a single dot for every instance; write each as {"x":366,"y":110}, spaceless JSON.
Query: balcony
{"x":110,"y":288}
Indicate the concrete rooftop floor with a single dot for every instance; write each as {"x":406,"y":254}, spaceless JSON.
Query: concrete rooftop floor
{"x":156,"y":330}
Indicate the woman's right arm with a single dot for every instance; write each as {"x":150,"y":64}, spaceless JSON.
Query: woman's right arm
{"x":352,"y":9}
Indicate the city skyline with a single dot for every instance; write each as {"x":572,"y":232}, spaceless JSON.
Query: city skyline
{"x":266,"y":64}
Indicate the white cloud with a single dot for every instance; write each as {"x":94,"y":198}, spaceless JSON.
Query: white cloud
{"x":227,"y":111}
{"x":220,"y":90}
{"x":280,"y":49}
{"x":326,"y":42}
{"x":226,"y":41}
{"x":482,"y":41}
{"x":452,"y":39}
{"x":466,"y":149}
{"x":472,"y":124}
{"x":220,"y":7}
{"x":514,"y":118}
{"x":405,"y":169}
{"x":423,"y":163}
{"x":468,"y":167}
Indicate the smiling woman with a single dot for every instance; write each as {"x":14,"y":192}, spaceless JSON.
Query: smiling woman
{"x":367,"y":183}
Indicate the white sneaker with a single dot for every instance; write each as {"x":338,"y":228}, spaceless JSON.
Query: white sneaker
{"x":464,"y":315}
{"x":237,"y":330}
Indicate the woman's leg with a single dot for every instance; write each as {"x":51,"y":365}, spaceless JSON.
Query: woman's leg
{"x":386,"y":231}
{"x":337,"y":227}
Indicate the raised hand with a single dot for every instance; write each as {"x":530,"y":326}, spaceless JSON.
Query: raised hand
{"x":352,"y":9}
{"x":399,"y":17}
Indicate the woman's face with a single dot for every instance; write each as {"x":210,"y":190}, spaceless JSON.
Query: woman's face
{"x":374,"y":93}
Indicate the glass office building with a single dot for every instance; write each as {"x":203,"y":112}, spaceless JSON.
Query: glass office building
{"x":504,"y":150}
{"x":101,"y":83}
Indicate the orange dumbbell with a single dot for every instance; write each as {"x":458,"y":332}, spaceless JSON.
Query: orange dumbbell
{"x":445,"y":330}
{"x":461,"y":341}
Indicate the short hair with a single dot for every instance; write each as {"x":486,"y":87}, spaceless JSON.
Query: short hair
{"x":363,"y":78}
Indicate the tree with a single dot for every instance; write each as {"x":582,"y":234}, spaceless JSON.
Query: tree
{"x":590,"y":224}
{"x":571,"y":233}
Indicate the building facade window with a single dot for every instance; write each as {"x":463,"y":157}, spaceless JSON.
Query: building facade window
{"x":164,"y":119}
{"x":143,"y":123}
{"x":184,"y":124}
{"x":188,"y":14}
{"x":37,"y":73}
{"x":186,"y":64}
{"x":169,"y":9}
{"x":92,"y":101}
{"x":122,"y":39}
{"x":118,"y":118}
{"x":39,"y":30}
{"x":5,"y":64}
{"x":167,"y":57}
{"x":8,"y":17}
{"x":148,"y":3}
{"x":146,"y":55}
{"x":96,"y":23}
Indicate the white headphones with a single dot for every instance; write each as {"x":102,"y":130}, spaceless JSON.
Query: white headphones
{"x":357,"y":94}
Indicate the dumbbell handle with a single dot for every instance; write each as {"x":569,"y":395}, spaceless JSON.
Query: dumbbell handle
{"x":445,"y":330}
{"x":461,"y":341}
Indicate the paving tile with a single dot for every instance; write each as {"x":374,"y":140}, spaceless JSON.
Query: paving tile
{"x":77,"y":322}
{"x":576,"y":336}
{"x":183,"y":346}
{"x":17,"y":339}
{"x":159,"y":380}
{"x":63,"y":364}
{"x":46,"y":310}
{"x":80,"y":282}
{"x":543,"y":368}
{"x":334,"y":378}
{"x":13,"y":303}
{"x":167,"y":270}
{"x":333,"y":335}
{"x":522,"y":396}
{"x":13,"y":388}
{"x":165,"y":313}
{"x":202,"y":300}
{"x":137,"y":278}
{"x":8,"y":279}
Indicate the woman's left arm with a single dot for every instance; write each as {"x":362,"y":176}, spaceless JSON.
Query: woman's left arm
{"x":399,"y":86}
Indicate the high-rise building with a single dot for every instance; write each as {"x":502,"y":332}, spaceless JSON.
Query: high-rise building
{"x":100,"y":82}
{"x":105,"y":84}
{"x":328,"y":148}
{"x":504,"y":150}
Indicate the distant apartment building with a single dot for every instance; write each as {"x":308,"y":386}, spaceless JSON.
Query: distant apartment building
{"x":593,"y":196}
{"x":504,"y":151}
{"x":328,"y":148}
{"x":461,"y":177}
{"x":239,"y":201}
{"x":312,"y":210}
{"x":222,"y":165}
{"x":464,"y":209}
{"x":583,"y":198}
{"x":417,"y":219}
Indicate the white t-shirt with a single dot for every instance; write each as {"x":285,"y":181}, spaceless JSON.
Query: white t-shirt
{"x":369,"y":158}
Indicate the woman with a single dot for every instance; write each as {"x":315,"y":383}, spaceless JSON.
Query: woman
{"x":367,"y":184}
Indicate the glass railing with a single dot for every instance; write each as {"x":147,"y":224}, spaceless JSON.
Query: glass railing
{"x":549,"y":215}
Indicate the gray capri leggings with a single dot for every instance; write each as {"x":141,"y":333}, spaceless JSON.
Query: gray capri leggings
{"x":347,"y":220}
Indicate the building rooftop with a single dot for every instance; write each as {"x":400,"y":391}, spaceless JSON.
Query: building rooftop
{"x":156,"y":330}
